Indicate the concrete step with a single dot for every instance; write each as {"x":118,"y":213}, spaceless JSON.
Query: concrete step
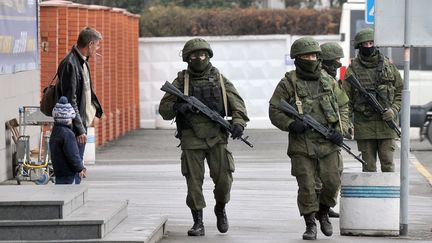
{"x":134,"y":229}
{"x":32,"y":202}
{"x":93,"y":220}
{"x":148,"y":229}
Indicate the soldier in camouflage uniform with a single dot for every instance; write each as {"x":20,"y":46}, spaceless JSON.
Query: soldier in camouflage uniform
{"x":312,"y":91}
{"x":378,"y":76}
{"x":331,"y":53}
{"x":202,"y":138}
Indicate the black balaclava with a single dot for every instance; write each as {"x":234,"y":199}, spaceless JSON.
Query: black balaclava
{"x":331,"y":67}
{"x":197,"y":64}
{"x":367,"y":51}
{"x":308,"y":69}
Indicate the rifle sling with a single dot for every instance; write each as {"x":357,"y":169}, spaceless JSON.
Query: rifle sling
{"x":224,"y":96}
{"x":298,"y":102}
{"x":379,"y":69}
{"x":186,"y":84}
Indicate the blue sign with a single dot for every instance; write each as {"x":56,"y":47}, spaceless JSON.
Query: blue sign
{"x":288,"y":60}
{"x":18,"y":36}
{"x":370,"y":12}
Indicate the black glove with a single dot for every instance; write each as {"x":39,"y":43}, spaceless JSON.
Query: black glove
{"x":297,"y":126}
{"x":335,"y":137}
{"x":183,"y":108}
{"x":237,"y":131}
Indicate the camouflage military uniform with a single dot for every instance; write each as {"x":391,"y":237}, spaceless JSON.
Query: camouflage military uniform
{"x":331,"y":53}
{"x":200,"y":137}
{"x":309,"y":151}
{"x":380,"y":77}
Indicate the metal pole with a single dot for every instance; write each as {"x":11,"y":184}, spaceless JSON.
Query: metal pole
{"x":405,"y":142}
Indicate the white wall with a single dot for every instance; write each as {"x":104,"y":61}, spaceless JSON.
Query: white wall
{"x":255,"y":64}
{"x":15,"y":90}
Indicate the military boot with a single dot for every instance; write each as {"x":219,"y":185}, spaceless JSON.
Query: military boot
{"x":222,"y":220}
{"x":198,"y":227}
{"x":324,"y":220}
{"x":311,"y":228}
{"x":333,"y":214}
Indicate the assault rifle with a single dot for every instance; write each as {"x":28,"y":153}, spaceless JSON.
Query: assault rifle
{"x":314,"y":124}
{"x":372,"y":101}
{"x":201,"y":107}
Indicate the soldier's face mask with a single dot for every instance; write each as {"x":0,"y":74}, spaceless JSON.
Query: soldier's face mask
{"x":331,"y":66}
{"x":310,"y":66}
{"x":199,"y":60}
{"x":367,"y":51}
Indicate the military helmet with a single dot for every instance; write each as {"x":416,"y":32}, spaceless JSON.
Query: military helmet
{"x":195,"y":45}
{"x":363,"y":36}
{"x":304,"y":45}
{"x":331,"y":51}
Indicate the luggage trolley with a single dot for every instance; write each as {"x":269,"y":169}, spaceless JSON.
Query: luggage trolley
{"x":29,"y":168}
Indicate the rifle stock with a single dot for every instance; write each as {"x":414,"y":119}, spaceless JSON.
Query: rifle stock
{"x":314,"y":124}
{"x":201,"y":107}
{"x":372,"y":102}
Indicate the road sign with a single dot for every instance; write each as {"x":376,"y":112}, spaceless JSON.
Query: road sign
{"x":370,"y":12}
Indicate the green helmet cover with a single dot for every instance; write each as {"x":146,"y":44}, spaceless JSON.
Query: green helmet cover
{"x":304,"y":45}
{"x":331,"y":51}
{"x":363,"y":36}
{"x":195,"y":45}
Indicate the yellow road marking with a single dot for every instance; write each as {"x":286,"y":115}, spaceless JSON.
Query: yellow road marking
{"x":422,"y":170}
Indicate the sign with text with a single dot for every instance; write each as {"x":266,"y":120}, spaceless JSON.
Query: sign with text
{"x":18,"y":36}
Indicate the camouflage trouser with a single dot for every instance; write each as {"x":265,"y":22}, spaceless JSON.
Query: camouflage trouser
{"x":221,"y":165}
{"x":371,"y":147}
{"x":305,"y":169}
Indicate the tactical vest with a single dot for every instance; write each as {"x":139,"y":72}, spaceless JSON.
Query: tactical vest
{"x":317,"y":98}
{"x":380,"y":83}
{"x":206,"y":88}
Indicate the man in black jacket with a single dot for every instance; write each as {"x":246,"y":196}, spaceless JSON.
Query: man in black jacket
{"x":75,"y":83}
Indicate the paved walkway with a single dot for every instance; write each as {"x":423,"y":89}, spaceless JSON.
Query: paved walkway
{"x":143,"y":167}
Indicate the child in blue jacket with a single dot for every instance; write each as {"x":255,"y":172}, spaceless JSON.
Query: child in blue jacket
{"x":65,"y":155}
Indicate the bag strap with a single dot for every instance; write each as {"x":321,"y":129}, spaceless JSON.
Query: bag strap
{"x":54,"y":78}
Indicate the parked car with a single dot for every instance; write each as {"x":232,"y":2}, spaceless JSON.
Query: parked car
{"x":421,"y":116}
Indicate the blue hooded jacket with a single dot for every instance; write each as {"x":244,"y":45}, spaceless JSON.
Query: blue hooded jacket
{"x":65,"y":155}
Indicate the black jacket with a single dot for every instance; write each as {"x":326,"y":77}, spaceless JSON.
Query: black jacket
{"x":65,"y":154}
{"x":71,"y":81}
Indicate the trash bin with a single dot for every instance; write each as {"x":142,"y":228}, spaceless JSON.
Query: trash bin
{"x":369,"y":204}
